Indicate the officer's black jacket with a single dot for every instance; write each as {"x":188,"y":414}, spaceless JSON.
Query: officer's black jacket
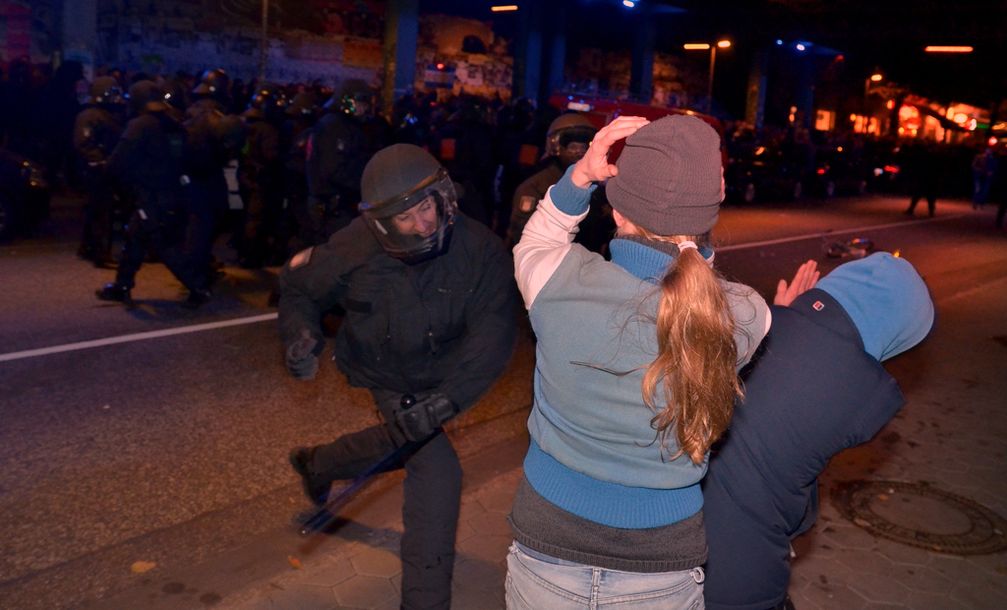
{"x":96,"y":131}
{"x":444,"y":325}
{"x":150,"y":154}
{"x":812,"y":392}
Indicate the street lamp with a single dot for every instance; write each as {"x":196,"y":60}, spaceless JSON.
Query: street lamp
{"x":702,"y":46}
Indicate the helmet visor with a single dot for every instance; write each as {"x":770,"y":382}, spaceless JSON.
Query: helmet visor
{"x":416,"y":225}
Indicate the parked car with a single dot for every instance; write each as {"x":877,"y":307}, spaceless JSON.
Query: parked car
{"x":761,"y":172}
{"x":24,"y":195}
{"x":838,"y":171}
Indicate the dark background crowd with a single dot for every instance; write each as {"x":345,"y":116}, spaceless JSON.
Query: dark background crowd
{"x":261,"y":180}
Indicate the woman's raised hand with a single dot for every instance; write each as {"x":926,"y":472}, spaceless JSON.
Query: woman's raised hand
{"x":805,"y":279}
{"x":594,"y":166}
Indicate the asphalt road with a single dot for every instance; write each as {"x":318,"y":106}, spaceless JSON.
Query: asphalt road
{"x":171,"y":448}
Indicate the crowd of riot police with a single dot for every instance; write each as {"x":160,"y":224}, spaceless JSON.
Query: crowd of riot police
{"x":168,"y":165}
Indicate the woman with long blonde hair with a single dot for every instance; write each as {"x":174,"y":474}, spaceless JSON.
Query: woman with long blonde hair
{"x":636,"y":374}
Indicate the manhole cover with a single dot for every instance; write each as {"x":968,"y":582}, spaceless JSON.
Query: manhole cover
{"x":923,"y":516}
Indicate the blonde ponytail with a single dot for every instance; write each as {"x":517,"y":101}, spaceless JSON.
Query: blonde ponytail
{"x":695,"y":365}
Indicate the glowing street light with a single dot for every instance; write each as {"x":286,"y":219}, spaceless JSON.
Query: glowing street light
{"x":503,"y":8}
{"x":702,"y":46}
{"x":947,"y":49}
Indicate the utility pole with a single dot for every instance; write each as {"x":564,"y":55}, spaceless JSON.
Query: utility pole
{"x":264,"y":40}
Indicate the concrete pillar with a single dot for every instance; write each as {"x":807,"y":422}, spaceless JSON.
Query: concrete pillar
{"x":528,"y":52}
{"x":79,"y":30}
{"x":641,"y":77}
{"x":401,"y":34}
{"x":553,"y":75}
{"x":804,"y":95}
{"x":755,"y":102}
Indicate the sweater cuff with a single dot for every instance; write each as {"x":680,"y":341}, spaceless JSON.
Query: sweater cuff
{"x":570,"y":199}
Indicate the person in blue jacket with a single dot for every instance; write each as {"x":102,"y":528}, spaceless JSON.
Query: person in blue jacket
{"x":816,"y":387}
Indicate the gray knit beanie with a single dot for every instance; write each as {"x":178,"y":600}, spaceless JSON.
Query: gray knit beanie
{"x":670,"y":178}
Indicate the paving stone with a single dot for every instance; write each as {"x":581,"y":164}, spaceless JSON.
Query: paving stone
{"x":304,"y":597}
{"x":834,"y":596}
{"x":490,"y":523}
{"x":376,"y":562}
{"x":880,"y":587}
{"x":323,"y":573}
{"x":489,"y":548}
{"x":497,"y":498}
{"x":365,"y":591}
{"x":465,"y":531}
{"x":903,"y":553}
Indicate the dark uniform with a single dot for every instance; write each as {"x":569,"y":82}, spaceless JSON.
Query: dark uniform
{"x":302,"y":114}
{"x":339,"y":146}
{"x":150,"y":158}
{"x":213,"y":140}
{"x":430,"y":318}
{"x":566,"y":142}
{"x":96,"y":132}
{"x":260,"y":179}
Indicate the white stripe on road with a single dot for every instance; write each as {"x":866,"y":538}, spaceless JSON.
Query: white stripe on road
{"x":154,"y":334}
{"x":784,"y":240}
{"x":45,"y":351}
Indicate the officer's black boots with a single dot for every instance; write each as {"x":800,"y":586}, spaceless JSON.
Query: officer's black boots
{"x":316,"y":487}
{"x":197,"y":298}
{"x":114,"y":292}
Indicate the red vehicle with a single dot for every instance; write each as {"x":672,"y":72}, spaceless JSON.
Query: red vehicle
{"x":602,"y":111}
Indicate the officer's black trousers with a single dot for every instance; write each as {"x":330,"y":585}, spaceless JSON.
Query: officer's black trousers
{"x":429,"y":513}
{"x":158,"y":224}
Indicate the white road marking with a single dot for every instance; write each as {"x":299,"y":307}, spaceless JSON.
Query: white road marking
{"x":154,"y":334}
{"x":783,"y":240}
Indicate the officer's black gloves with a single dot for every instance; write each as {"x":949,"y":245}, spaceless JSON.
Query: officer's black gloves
{"x":302,"y":356}
{"x":418,"y":419}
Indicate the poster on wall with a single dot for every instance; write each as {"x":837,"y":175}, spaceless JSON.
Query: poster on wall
{"x":363,"y":53}
{"x":442,"y":77}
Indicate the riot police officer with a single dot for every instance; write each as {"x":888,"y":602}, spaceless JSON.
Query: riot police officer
{"x":301,"y":116}
{"x":339,"y":145}
{"x":260,"y":178}
{"x":566,"y":142}
{"x":429,"y":318}
{"x":96,"y":131}
{"x":213,"y":140}
{"x":212,"y":94}
{"x":150,"y":158}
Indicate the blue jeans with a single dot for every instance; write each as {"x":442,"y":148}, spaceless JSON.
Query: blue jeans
{"x":537,"y":582}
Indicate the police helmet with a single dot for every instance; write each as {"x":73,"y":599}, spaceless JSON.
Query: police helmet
{"x":409,"y":202}
{"x":347,"y":96}
{"x":147,"y":96}
{"x":268,"y":103}
{"x":213,"y":83}
{"x":304,"y":105}
{"x":567,"y":128}
{"x":105,"y":90}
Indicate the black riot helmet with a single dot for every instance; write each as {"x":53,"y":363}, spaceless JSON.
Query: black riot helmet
{"x":105,"y":91}
{"x":354,"y":97}
{"x":567,"y":128}
{"x":303,"y":106}
{"x":147,"y":96}
{"x":409,"y":202}
{"x":268,"y":103}
{"x":215,"y":84}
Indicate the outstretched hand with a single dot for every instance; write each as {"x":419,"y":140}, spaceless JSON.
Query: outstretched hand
{"x":805,"y":279}
{"x":594,"y":165}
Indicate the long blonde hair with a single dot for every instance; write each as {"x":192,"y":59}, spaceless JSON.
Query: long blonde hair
{"x":697,"y":355}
